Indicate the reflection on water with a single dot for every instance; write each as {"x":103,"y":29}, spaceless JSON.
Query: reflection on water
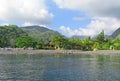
{"x":59,"y":67}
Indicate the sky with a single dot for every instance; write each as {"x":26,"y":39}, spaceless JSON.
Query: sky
{"x":69,"y":17}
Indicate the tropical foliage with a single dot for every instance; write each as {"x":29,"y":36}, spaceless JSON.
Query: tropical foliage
{"x":59,"y":42}
{"x":13,"y":36}
{"x":97,"y":43}
{"x":25,"y":41}
{"x":9,"y":34}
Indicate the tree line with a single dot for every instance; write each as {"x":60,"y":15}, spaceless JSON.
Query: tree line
{"x":59,"y":42}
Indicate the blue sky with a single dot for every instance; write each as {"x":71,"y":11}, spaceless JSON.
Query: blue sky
{"x":69,"y":17}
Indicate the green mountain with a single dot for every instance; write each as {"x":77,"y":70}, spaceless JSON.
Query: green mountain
{"x":38,"y":32}
{"x":8,"y":35}
{"x":11,"y":31}
{"x":116,"y":33}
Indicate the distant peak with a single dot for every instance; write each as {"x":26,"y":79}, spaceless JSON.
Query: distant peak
{"x":116,"y":33}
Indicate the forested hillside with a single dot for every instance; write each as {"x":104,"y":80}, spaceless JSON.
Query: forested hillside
{"x":37,"y":32}
{"x":36,"y":36}
{"x":8,"y":35}
{"x":43,"y":38}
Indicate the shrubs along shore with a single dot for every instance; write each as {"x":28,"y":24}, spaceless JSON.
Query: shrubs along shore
{"x":31,"y":51}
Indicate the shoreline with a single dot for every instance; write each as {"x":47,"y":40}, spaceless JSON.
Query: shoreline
{"x":21,"y":51}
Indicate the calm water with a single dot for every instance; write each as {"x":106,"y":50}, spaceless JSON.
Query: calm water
{"x":59,"y":68}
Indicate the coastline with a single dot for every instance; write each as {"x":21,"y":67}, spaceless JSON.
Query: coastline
{"x":22,"y":51}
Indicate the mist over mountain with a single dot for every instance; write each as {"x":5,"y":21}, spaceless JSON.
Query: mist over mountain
{"x":80,"y":36}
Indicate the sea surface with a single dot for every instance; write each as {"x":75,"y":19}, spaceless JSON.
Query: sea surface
{"x":59,"y":67}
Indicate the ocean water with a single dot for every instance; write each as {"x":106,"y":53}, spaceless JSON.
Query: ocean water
{"x":40,"y":67}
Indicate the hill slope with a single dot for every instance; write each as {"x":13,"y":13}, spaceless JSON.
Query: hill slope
{"x":11,"y":31}
{"x":116,"y":33}
{"x":38,"y":32}
{"x":8,"y":35}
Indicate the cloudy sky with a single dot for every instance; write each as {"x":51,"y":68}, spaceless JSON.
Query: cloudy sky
{"x":69,"y":17}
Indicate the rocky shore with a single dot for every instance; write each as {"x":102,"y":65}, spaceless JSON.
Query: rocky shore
{"x":30,"y":51}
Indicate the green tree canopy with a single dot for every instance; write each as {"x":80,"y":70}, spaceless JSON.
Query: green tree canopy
{"x":75,"y":43}
{"x":59,"y":42}
{"x":100,"y":37}
{"x":25,"y":41}
{"x":40,"y":44}
{"x":3,"y":41}
{"x":8,"y":35}
{"x":116,"y":44}
{"x":87,"y":44}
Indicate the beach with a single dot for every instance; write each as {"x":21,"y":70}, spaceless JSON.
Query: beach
{"x":31,"y":51}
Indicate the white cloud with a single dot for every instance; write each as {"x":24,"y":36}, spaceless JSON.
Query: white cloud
{"x":68,"y":31}
{"x":107,"y":24}
{"x":104,"y":14}
{"x":31,"y":24}
{"x":33,"y":11}
{"x":70,"y":4}
{"x":94,"y":27}
{"x":81,"y":31}
{"x":99,"y":8}
{"x":2,"y":24}
{"x":28,"y":24}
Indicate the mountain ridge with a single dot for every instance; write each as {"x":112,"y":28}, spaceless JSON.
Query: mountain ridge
{"x":37,"y":32}
{"x":116,"y":33}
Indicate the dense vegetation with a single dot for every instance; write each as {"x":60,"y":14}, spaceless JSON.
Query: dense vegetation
{"x":13,"y":36}
{"x":37,"y":32}
{"x":9,"y":34}
{"x":97,"y":43}
{"x":25,"y":41}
